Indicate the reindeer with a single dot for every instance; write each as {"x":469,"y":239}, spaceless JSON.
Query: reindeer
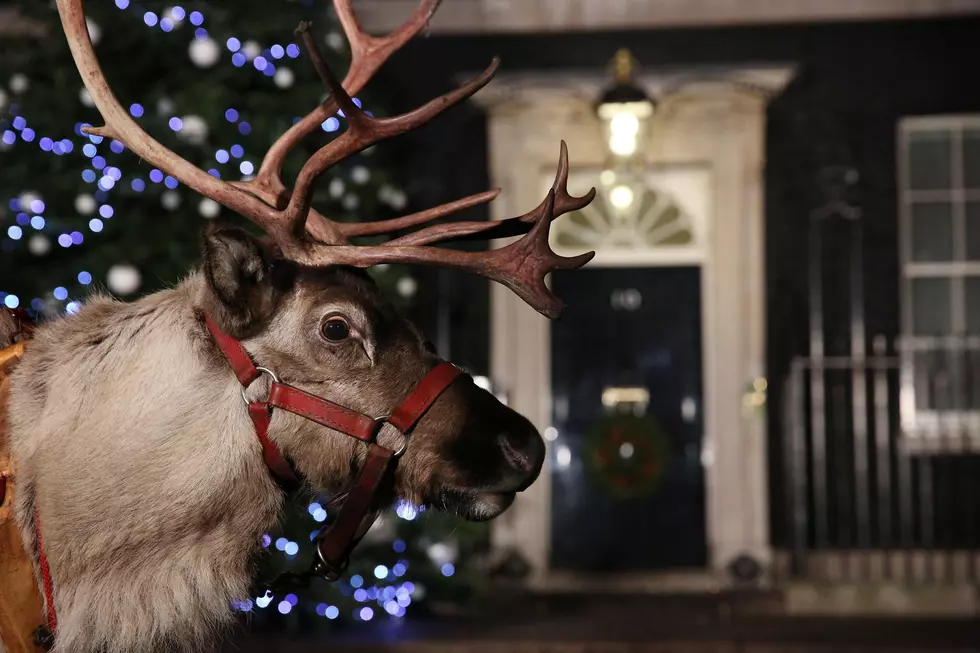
{"x":145,"y":483}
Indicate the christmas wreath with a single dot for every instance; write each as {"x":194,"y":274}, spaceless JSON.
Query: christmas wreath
{"x":626,"y":455}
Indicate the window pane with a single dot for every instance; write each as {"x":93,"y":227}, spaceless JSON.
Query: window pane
{"x":932,"y":231}
{"x":930,"y":306}
{"x":971,"y":158}
{"x":973,"y":231}
{"x":972,"y":289}
{"x":929,"y":160}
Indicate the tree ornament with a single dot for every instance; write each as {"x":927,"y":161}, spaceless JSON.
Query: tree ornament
{"x":38,"y":245}
{"x":407,"y":287}
{"x":204,"y":52}
{"x":360,"y":175}
{"x":194,"y":130}
{"x":626,"y":455}
{"x":170,"y":200}
{"x":208,"y":208}
{"x":85,"y":204}
{"x":283,"y":77}
{"x":94,"y":31}
{"x":19,"y":83}
{"x":123,"y":279}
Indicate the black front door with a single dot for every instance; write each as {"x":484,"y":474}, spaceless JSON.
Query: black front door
{"x":627,"y":478}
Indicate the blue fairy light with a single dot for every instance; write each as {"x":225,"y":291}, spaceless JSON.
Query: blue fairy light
{"x":269,"y":70}
{"x":357,"y":102}
{"x":37,"y":222}
{"x":72,"y":307}
{"x":105,"y":211}
{"x":84,"y":278}
{"x":244,"y":128}
{"x":95,"y":225}
{"x":237,"y":151}
{"x":277,"y":51}
{"x":313,"y":535}
{"x":264,"y":600}
{"x":196,"y":18}
{"x":176,"y":124}
{"x":221,"y":156}
{"x":37,"y":304}
{"x":178,"y":13}
{"x":88,"y":176}
{"x":331,"y":124}
{"x":246,"y":167}
{"x":122,"y":4}
{"x":166,"y":25}
{"x":291,"y":599}
{"x":321,"y":609}
{"x":57,"y":149}
{"x":373,"y":594}
{"x":11,"y":301}
{"x":292,"y":549}
{"x":231,"y":115}
{"x":61,"y":293}
{"x":114,"y":172}
{"x":46,"y":144}
{"x":66,"y":145}
{"x":366,"y":613}
{"x":9,"y":137}
{"x":136,"y":110}
{"x":391,"y":607}
{"x":406,"y":511}
{"x":156,"y":176}
{"x":233,"y":44}
{"x":64,"y":240}
{"x":448,"y":570}
{"x":380,"y":572}
{"x":214,"y":173}
{"x":27,"y":134}
{"x":320,"y":515}
{"x":313,"y":507}
{"x":150,"y":19}
{"x":361,"y":595}
{"x":95,"y":138}
{"x":89,"y":150}
{"x":170,"y":182}
{"x":19,"y":123}
{"x":15,"y":232}
{"x":356,"y":581}
{"x":292,"y":50}
{"x":266,"y":540}
{"x":98,"y":162}
{"x":37,"y":206}
{"x":23,"y":219}
{"x":281,"y":543}
{"x":77,"y":238}
{"x":284,"y":607}
{"x":398,"y":570}
{"x":260,"y":63}
{"x":200,"y":33}
{"x":117,"y":147}
{"x":399,"y":546}
{"x":138,"y":185}
{"x":106,"y":183}
{"x":332,"y":612}
{"x":238,"y":60}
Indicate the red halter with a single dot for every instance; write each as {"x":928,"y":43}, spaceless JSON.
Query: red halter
{"x":335,"y":542}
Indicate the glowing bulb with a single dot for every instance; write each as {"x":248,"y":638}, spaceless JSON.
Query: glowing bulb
{"x":564,"y":456}
{"x":621,"y":197}
{"x":625,"y":124}
{"x":626,"y":450}
{"x":622,"y":144}
{"x":551,"y":434}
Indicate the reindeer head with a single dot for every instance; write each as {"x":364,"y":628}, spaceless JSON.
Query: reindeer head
{"x":304,"y":309}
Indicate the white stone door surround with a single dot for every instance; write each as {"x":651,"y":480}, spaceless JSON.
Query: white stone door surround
{"x":718,"y":125}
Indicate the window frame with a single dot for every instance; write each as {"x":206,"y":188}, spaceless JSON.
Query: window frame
{"x":929,"y":423}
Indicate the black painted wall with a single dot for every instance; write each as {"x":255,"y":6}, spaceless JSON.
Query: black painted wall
{"x":855,"y":82}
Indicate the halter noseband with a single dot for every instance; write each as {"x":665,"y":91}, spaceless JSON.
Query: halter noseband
{"x":335,"y":542}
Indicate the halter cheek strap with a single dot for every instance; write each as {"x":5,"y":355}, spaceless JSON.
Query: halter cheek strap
{"x":334,"y":543}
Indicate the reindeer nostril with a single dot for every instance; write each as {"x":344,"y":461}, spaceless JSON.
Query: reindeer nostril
{"x":524,"y":453}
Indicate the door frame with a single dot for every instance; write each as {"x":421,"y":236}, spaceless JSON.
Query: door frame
{"x":716,"y":124}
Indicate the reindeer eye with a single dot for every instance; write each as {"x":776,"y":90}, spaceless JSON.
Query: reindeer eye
{"x":336,"y":329}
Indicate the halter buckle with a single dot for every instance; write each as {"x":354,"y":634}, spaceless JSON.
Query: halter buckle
{"x":381,"y":421}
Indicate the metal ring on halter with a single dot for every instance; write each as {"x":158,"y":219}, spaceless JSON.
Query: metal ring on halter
{"x":381,"y":421}
{"x":262,"y":370}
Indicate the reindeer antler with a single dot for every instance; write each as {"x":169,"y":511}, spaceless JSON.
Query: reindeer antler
{"x":310,"y":238}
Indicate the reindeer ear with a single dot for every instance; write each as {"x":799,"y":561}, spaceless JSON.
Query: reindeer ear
{"x":238,"y":269}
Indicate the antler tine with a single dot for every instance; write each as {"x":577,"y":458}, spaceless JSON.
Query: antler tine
{"x":364,"y":131}
{"x":368,"y":54}
{"x":455,"y":231}
{"x":521,"y":266}
{"x":120,"y":126}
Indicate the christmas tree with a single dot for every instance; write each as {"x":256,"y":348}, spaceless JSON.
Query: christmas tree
{"x":217,"y":82}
